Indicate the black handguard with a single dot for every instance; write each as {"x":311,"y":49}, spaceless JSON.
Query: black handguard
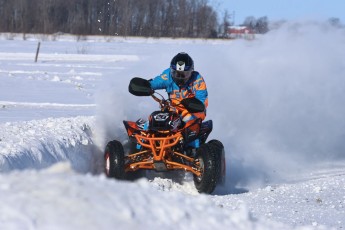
{"x":140,"y":87}
{"x":193,"y":105}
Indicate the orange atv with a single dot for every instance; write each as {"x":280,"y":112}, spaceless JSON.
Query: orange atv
{"x":165,"y":144}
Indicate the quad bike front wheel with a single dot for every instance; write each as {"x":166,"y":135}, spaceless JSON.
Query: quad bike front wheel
{"x":208,"y":164}
{"x":220,"y":154}
{"x":114,"y":160}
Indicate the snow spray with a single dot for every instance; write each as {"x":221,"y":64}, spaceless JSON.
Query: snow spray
{"x":277,"y":101}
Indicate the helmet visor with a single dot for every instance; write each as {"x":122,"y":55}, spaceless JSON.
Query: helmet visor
{"x":181,"y":77}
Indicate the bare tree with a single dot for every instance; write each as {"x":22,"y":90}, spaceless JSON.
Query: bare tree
{"x":262,"y":25}
{"x":250,"y":22}
{"x":334,"y":22}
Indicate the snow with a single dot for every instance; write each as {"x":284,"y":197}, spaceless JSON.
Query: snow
{"x":276,"y":103}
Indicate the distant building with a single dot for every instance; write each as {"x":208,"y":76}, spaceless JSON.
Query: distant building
{"x":240,"y":32}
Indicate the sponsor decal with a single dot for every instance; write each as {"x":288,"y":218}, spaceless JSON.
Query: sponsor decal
{"x":175,"y":124}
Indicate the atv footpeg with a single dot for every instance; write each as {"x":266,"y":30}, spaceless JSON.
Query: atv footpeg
{"x":160,"y":166}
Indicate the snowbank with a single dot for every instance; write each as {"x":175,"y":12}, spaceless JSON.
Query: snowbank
{"x":58,"y":198}
{"x":41,"y":143}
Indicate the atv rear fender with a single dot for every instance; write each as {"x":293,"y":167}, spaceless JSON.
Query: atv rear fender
{"x":205,"y":130}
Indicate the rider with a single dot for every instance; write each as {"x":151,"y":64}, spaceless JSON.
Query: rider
{"x":181,"y":81}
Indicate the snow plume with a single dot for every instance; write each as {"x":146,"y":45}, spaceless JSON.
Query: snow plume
{"x":277,"y":102}
{"x":111,"y":107}
{"x":116,"y":104}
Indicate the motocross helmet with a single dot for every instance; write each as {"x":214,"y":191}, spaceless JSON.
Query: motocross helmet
{"x":181,"y":68}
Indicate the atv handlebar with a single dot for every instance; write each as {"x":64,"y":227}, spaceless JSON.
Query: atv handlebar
{"x":164,"y":104}
{"x":192,"y":104}
{"x":142,"y":87}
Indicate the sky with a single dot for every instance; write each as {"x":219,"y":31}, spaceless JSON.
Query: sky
{"x":284,"y":9}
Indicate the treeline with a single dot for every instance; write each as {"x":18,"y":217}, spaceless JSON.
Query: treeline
{"x":156,"y":18}
{"x":259,"y":26}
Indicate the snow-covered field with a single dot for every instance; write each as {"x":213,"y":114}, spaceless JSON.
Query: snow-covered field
{"x":276,"y":103}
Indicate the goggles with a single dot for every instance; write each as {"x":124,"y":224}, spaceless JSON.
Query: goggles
{"x":181,"y":75}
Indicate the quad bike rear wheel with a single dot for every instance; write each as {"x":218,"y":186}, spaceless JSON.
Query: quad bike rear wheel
{"x":114,"y":160}
{"x":208,"y":164}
